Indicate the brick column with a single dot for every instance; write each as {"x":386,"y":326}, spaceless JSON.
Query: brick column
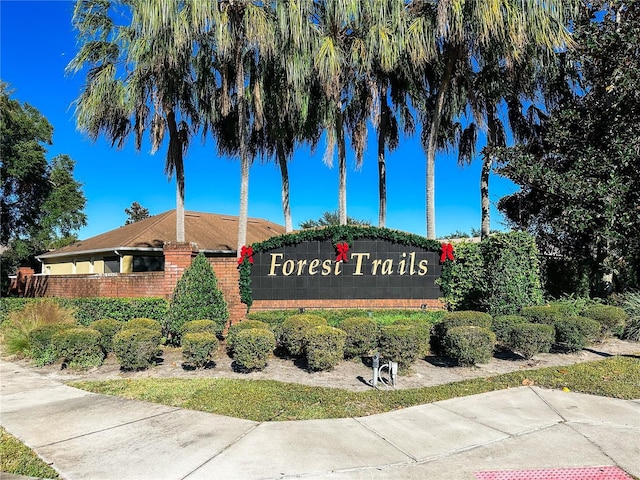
{"x":177,"y":257}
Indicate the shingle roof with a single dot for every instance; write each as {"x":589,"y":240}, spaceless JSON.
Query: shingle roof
{"x":207,"y":230}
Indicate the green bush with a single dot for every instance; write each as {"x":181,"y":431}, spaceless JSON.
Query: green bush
{"x":324,"y":347}
{"x":196,"y":296}
{"x":147,"y":323}
{"x":470,"y":345}
{"x":547,"y":314}
{"x":503,"y":325}
{"x":462,"y":318}
{"x":423,"y":330}
{"x":574,"y":333}
{"x":78,"y":347}
{"x":90,"y":309}
{"x":11,"y":304}
{"x":361,"y":336}
{"x":511,"y":272}
{"x":198,"y":326}
{"x":108,"y":327}
{"x":252,"y":348}
{"x":236,"y":328}
{"x":528,"y":339}
{"x":292,"y":331}
{"x":399,"y":343}
{"x":631,"y":305}
{"x":41,"y":348}
{"x":612,"y":319}
{"x":463,"y":282}
{"x":136,"y":348}
{"x":199,"y":348}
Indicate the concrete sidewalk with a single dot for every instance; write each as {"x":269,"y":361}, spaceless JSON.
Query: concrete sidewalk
{"x":88,"y":436}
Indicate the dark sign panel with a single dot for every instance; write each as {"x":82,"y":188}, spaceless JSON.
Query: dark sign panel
{"x":375,"y":269}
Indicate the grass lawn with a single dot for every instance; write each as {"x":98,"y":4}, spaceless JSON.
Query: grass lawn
{"x":266,"y":400}
{"x":18,"y":459}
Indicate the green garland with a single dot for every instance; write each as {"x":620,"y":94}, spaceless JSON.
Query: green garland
{"x":337,"y":234}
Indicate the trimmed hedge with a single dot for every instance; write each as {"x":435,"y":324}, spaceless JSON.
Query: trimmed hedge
{"x":399,"y":343}
{"x":199,"y":348}
{"x":548,"y":314}
{"x":78,"y":347}
{"x":147,"y":323}
{"x":236,"y":328}
{"x":503,"y":325}
{"x":462,"y":318}
{"x":90,"y":309}
{"x":108,"y":327}
{"x":528,"y":339}
{"x":612,"y":319}
{"x":324,"y":347}
{"x":252,"y":348}
{"x":196,"y":296}
{"x":574,"y":333}
{"x":199,"y":326}
{"x":41,"y":348}
{"x":136,"y":348}
{"x":470,"y":345}
{"x":293,"y":329}
{"x":423,"y":330}
{"x":361,"y":336}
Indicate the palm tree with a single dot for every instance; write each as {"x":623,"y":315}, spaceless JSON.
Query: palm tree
{"x":463,"y":32}
{"x":139,"y":79}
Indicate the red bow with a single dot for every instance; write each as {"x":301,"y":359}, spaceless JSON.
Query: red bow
{"x":246,"y":252}
{"x":343,"y":248}
{"x":447,"y":252}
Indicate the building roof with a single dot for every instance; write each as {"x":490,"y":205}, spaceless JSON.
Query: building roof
{"x":210,"y":232}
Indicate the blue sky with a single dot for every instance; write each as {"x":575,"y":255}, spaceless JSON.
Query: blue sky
{"x":37,"y":41}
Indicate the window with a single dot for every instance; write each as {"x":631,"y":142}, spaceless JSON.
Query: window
{"x":148,"y":263}
{"x":112,"y":264}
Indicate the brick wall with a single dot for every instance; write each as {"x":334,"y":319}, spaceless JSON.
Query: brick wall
{"x":367,"y":304}
{"x":143,"y":284}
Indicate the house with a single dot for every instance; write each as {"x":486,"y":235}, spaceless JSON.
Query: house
{"x":139,"y":247}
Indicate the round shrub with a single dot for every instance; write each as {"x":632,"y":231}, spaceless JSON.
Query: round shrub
{"x":547,"y":314}
{"x":527,"y":339}
{"x":41,"y":348}
{"x":78,"y":347}
{"x":108,"y":327}
{"x":198,"y":326}
{"x":240,"y":326}
{"x":361,"y":336}
{"x":470,"y":345}
{"x":399,"y":343}
{"x":148,"y":323}
{"x":462,"y":318}
{"x":293,"y":329}
{"x":574,"y":333}
{"x":199,"y":348}
{"x":612,"y":319}
{"x":503,"y":325}
{"x":252,"y":348}
{"x":324,"y":347}
{"x":423,"y":330}
{"x":136,"y":348}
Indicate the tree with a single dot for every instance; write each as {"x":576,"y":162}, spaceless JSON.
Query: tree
{"x":580,"y":190}
{"x":135,"y":213}
{"x":332,"y":218}
{"x":42,"y":204}
{"x":139,"y":79}
{"x":460,"y":32}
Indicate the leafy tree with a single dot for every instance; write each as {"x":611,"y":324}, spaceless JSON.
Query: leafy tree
{"x":331,"y":218}
{"x":196,"y":297}
{"x":42,"y":204}
{"x":135,"y":213}
{"x":580,"y":189}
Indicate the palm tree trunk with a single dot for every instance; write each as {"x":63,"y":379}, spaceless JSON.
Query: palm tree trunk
{"x":485,"y":223}
{"x":382,"y":166}
{"x":342,"y":168}
{"x":244,"y":154}
{"x":284,"y":173}
{"x":175,"y":152}
{"x":433,"y":146}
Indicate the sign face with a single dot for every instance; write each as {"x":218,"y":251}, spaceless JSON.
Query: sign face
{"x":369,"y":268}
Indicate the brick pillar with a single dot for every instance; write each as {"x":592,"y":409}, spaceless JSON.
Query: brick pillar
{"x":177,"y":257}
{"x":19,"y":285}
